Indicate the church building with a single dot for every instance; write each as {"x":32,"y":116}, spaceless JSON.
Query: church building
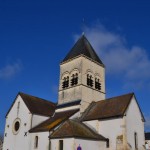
{"x":82,"y":118}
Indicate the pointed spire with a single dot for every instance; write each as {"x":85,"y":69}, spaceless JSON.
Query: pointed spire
{"x":83,"y":47}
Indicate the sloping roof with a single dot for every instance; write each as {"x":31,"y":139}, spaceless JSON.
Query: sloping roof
{"x":68,"y":104}
{"x":83,"y":47}
{"x":147,"y":136}
{"x":76,"y":129}
{"x":37,"y":105}
{"x":54,"y":121}
{"x":109,"y":108}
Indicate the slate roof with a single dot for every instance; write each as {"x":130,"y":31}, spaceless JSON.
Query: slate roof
{"x":76,"y":129}
{"x":147,"y":136}
{"x":37,"y":105}
{"x":73,"y":103}
{"x":83,"y":47}
{"x":109,"y":108}
{"x":54,"y":121}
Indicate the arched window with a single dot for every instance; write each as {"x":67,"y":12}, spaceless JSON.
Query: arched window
{"x":74,"y":80}
{"x":89,"y":80}
{"x":36,"y":142}
{"x":65,"y":83}
{"x":97,"y":84}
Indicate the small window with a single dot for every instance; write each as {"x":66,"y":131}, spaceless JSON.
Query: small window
{"x":60,"y":144}
{"x":107,"y":143}
{"x":36,"y":142}
{"x":136,"y":141}
{"x":74,"y":80}
{"x":97,"y":84}
{"x":89,"y":80}
{"x":65,"y":83}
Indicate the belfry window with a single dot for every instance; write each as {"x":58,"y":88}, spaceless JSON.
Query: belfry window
{"x":65,"y":83}
{"x":74,"y":80}
{"x":97,"y":84}
{"x":89,"y":80}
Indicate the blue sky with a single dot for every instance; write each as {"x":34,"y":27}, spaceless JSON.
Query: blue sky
{"x":36,"y":35}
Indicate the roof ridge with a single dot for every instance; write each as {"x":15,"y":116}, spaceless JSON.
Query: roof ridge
{"x":91,"y":130}
{"x":20,"y":93}
{"x":132,"y":93}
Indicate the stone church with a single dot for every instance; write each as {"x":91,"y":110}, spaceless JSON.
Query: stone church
{"x":82,"y":119}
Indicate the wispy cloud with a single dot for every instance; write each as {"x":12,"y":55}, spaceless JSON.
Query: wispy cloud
{"x":10,"y":70}
{"x":132,"y":63}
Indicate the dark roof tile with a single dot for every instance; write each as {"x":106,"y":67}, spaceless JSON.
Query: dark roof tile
{"x":54,"y":121}
{"x":109,"y":108}
{"x":83,"y":47}
{"x":76,"y":129}
{"x":37,"y":105}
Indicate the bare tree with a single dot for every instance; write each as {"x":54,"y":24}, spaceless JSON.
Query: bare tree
{"x":1,"y":141}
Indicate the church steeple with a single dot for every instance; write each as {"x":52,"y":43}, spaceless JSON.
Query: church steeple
{"x":82,"y":75}
{"x":83,"y":47}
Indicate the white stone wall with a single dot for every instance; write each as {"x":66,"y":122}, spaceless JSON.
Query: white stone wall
{"x":18,"y":141}
{"x":43,"y":141}
{"x":134,"y":124}
{"x":120,"y":132}
{"x":110,"y":128}
{"x":94,"y":125}
{"x":90,"y":144}
{"x":83,"y":66}
{"x":72,"y":144}
{"x":37,"y":119}
{"x":68,"y":144}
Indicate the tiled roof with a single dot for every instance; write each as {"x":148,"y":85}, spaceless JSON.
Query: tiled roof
{"x":37,"y":105}
{"x":83,"y":47}
{"x":109,"y":108}
{"x":76,"y":129}
{"x":54,"y":121}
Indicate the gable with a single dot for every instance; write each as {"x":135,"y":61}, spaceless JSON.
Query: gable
{"x":134,"y":106}
{"x":109,"y":108}
{"x":17,"y":100}
{"x":36,"y":105}
{"x":76,"y":129}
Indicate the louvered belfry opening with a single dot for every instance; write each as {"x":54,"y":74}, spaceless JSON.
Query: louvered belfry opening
{"x":65,"y":83}
{"x":89,"y":80}
{"x":97,"y":84}
{"x":74,"y":80}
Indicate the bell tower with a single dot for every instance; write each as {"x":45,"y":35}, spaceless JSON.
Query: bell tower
{"x":82,"y":75}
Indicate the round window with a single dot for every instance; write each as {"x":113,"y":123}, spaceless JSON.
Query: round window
{"x":16,"y":126}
